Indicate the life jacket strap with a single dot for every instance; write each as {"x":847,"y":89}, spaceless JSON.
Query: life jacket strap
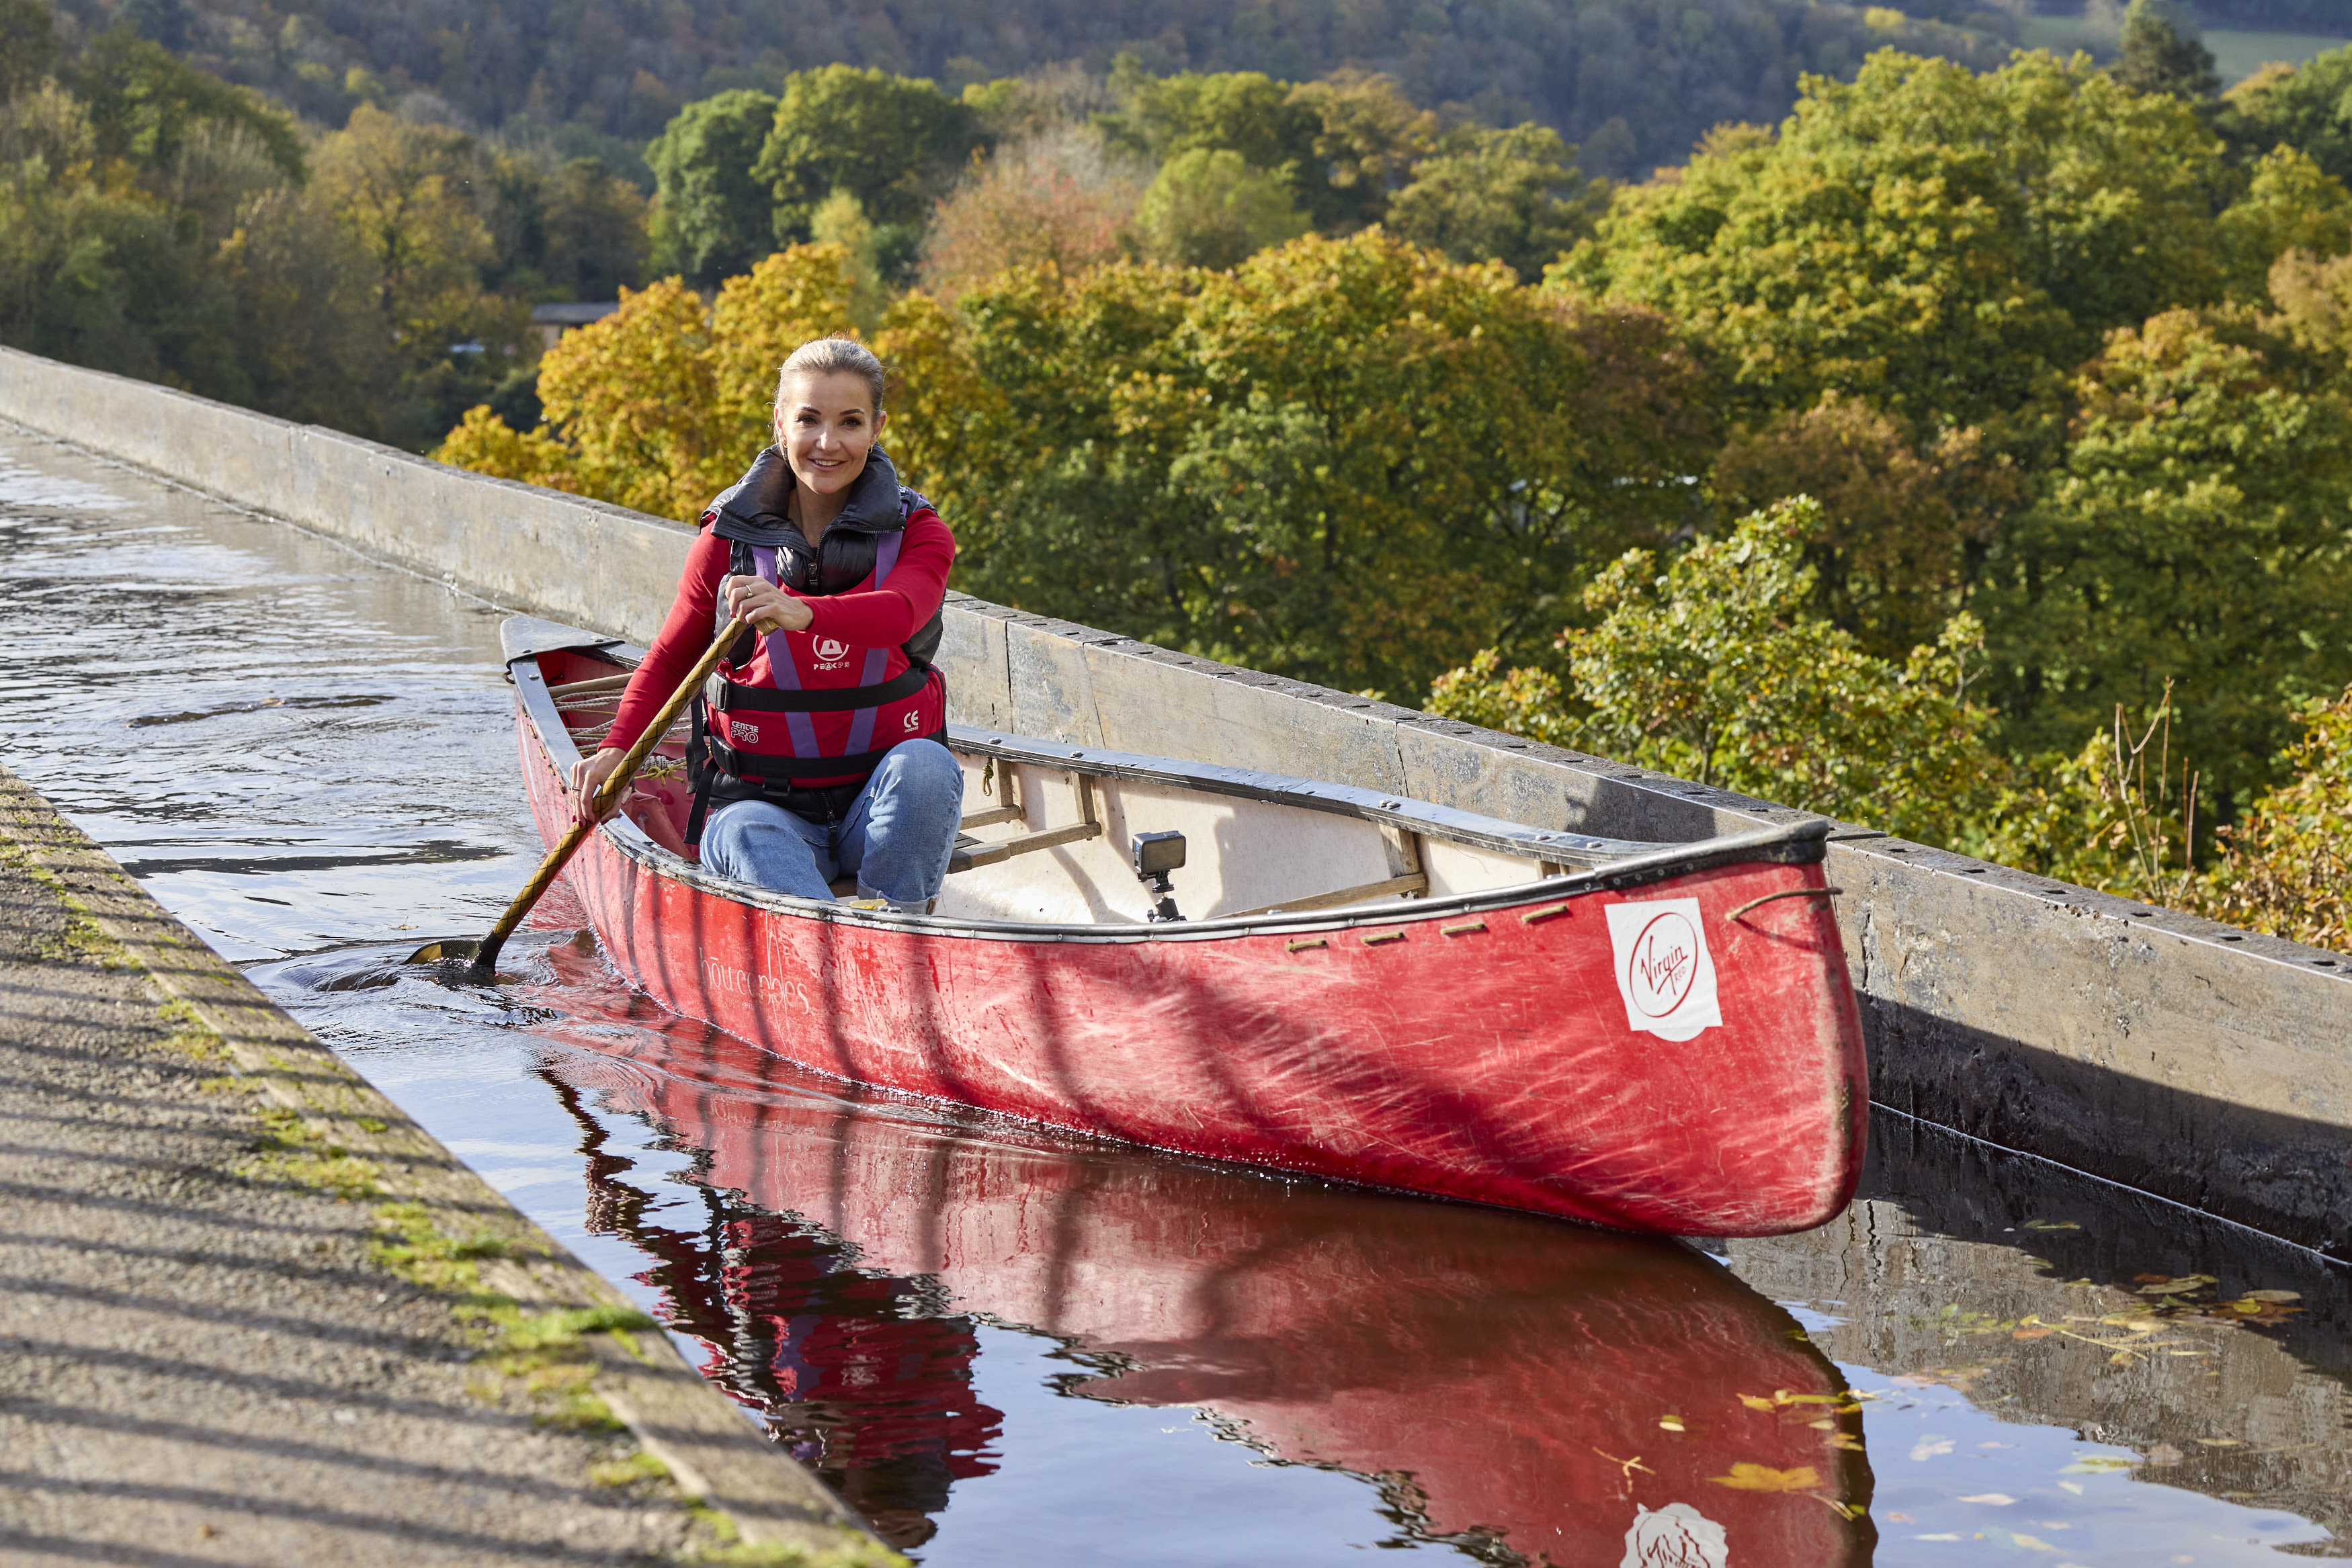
{"x":725,"y":694}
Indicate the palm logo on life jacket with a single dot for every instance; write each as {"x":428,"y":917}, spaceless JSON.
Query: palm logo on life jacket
{"x":862,"y":543}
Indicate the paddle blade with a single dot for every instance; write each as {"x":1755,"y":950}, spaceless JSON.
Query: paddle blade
{"x":452,"y":949}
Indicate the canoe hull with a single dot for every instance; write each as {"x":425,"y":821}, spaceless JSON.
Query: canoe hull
{"x":1485,"y":1057}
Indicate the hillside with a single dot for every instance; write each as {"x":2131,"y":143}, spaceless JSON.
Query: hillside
{"x":1637,"y":82}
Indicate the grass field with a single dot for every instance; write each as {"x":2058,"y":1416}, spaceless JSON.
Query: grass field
{"x":2237,"y":53}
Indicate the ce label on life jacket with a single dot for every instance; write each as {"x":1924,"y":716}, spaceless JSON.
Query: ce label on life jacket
{"x":1665,"y":972}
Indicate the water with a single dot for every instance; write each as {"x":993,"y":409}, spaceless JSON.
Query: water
{"x":1010,"y":1347}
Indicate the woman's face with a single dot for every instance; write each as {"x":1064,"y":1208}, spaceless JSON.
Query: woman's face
{"x":827,"y":427}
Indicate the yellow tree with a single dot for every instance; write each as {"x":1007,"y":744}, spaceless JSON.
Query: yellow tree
{"x":403,"y":192}
{"x":663,"y":403}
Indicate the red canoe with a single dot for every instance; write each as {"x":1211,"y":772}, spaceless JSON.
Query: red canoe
{"x":1579,"y":1398}
{"x":1656,"y":1038}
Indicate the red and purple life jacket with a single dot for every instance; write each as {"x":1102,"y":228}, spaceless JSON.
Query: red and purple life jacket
{"x":760,"y":730}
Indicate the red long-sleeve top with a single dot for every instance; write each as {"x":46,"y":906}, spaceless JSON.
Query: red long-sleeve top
{"x":829,"y":655}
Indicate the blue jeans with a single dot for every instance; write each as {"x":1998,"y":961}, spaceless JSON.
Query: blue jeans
{"x":895,"y":838}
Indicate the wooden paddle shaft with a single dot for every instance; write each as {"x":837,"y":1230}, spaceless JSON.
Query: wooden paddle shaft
{"x":608,"y":795}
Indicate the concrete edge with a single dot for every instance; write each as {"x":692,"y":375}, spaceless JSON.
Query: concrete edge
{"x":712,"y":1451}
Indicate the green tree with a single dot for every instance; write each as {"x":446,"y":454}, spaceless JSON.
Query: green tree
{"x":1907,"y":519}
{"x":2286,"y":867}
{"x":28,"y":45}
{"x":2198,"y":540}
{"x":713,"y":217}
{"x":1247,"y":113}
{"x":144,"y":102}
{"x":596,"y":229}
{"x":1347,"y":460}
{"x":416,"y":201}
{"x":1512,"y":196}
{"x":1211,"y":209}
{"x":897,"y":144}
{"x":1943,"y":245}
{"x":1368,"y":139}
{"x":2307,"y":107}
{"x":2162,"y":53}
{"x":1714,"y":667}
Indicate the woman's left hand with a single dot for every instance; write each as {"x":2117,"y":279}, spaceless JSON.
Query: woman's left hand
{"x":766,"y":606}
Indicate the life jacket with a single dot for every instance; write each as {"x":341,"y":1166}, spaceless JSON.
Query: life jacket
{"x":729,"y":759}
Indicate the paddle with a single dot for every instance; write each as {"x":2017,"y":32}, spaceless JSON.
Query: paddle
{"x":485,"y":952}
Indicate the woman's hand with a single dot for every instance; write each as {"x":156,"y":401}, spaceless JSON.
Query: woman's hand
{"x":765,"y":606}
{"x":588,"y":776}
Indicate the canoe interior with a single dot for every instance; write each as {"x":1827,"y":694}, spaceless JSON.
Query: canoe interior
{"x":1049,"y":844}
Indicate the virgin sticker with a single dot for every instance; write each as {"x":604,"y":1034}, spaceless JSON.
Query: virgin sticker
{"x":1664,"y":972}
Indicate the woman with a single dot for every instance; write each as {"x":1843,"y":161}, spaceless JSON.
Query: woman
{"x":816,"y":748}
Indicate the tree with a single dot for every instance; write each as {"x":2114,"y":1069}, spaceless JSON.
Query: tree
{"x":1946,"y":246}
{"x":28,"y":43}
{"x":1907,"y":521}
{"x":1247,"y":113}
{"x":712,"y":216}
{"x":1347,"y":460}
{"x":896,"y":144}
{"x":2161,"y":52}
{"x":2198,"y":539}
{"x":594,"y":228}
{"x":1368,"y":139}
{"x":2308,"y":108}
{"x":1341,"y":146}
{"x":2286,"y":866}
{"x":663,"y":403}
{"x":407,"y":193}
{"x":142,"y":102}
{"x":1211,"y":209}
{"x":1713,"y":667}
{"x":1511,"y":196}
{"x":1056,"y":197}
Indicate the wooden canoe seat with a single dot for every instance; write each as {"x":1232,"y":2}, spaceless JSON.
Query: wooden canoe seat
{"x":971,"y":853}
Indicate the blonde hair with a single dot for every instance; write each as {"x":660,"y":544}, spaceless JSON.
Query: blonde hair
{"x":832,"y":356}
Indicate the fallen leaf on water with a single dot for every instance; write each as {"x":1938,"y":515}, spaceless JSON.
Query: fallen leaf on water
{"x":2271,"y":1296}
{"x":1753,"y":1402}
{"x":1945,"y":1536}
{"x":2033,"y":1333}
{"x":2221,"y":1442}
{"x":2075,"y":1487}
{"x":2052,"y":1225}
{"x":1671,"y":1423}
{"x":2098,"y":1465}
{"x":1847,"y":1441}
{"x":1763,"y":1478}
{"x":2030,"y":1543}
{"x":1997,"y":1499}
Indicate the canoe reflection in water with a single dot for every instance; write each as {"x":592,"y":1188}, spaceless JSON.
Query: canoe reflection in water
{"x":1523,"y":1388}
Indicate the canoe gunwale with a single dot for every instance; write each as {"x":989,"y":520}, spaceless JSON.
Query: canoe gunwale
{"x":1797,"y":843}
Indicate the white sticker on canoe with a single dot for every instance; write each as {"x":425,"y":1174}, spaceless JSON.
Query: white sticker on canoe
{"x":1676,"y":1536}
{"x":1663,"y":971}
